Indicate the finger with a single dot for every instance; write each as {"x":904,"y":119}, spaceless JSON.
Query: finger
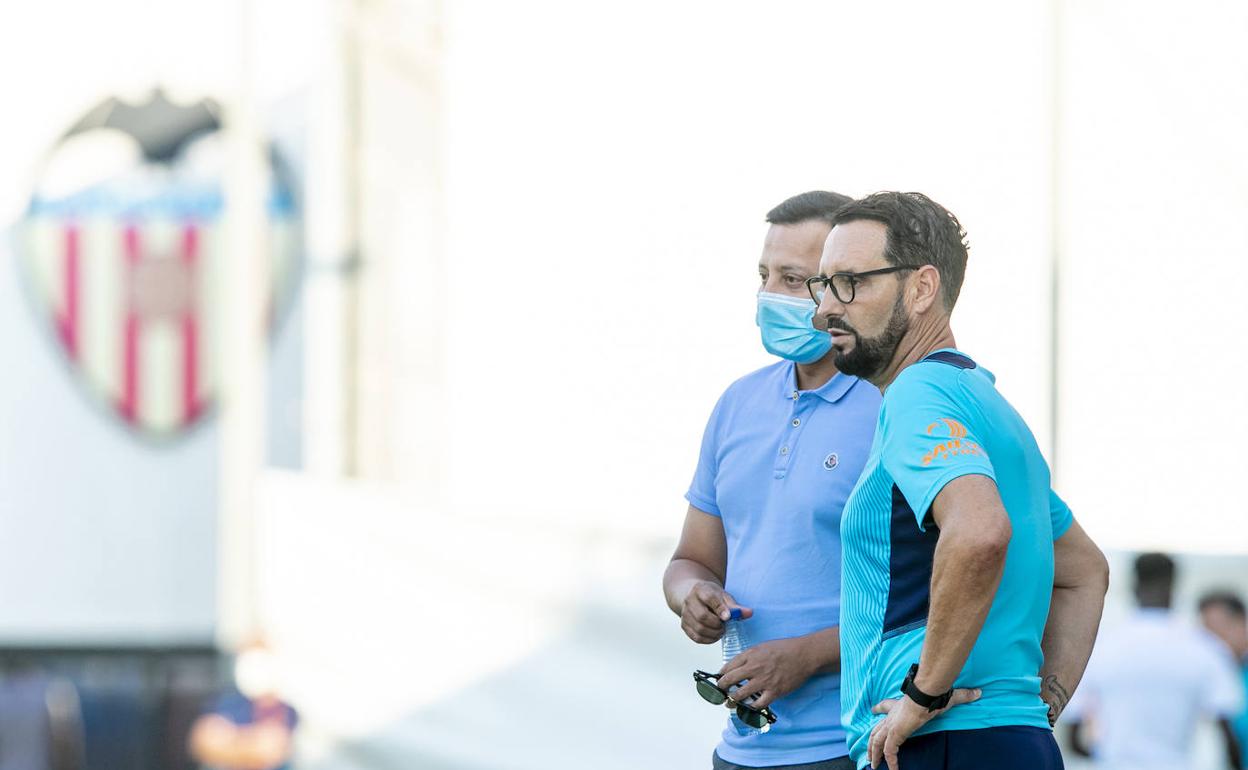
{"x":730,"y":602}
{"x":736,"y":669}
{"x":884,"y":706}
{"x":698,"y":632}
{"x":716,"y":600}
{"x":764,"y":698}
{"x":748,"y":692}
{"x":702,"y":632}
{"x":891,"y":746}
{"x":875,"y":745}
{"x":741,"y":689}
{"x":728,"y":681}
{"x":702,"y":611}
{"x":964,"y":695}
{"x":700,"y":637}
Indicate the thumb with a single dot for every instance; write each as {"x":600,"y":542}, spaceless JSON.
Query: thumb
{"x":714,"y":598}
{"x":729,"y":604}
{"x":964,"y":695}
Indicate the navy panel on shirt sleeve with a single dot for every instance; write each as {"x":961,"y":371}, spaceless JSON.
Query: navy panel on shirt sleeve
{"x":930,"y":434}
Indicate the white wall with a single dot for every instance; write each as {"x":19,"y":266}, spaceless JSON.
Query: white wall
{"x":1154,"y":255}
{"x":608,"y":172}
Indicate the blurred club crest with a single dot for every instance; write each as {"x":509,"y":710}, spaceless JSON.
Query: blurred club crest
{"x":122,"y":245}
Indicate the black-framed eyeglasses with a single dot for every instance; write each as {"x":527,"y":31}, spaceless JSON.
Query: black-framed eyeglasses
{"x":845,"y":285}
{"x":759,"y":719}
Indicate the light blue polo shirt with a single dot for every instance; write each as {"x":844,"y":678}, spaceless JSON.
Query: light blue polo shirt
{"x":943,"y":418}
{"x":777,"y":465}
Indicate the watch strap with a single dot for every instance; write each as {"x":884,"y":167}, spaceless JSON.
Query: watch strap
{"x":929,"y":702}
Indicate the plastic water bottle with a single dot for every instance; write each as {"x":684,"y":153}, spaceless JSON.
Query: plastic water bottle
{"x":735,"y":642}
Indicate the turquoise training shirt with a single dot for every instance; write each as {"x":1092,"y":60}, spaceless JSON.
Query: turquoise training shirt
{"x":776,"y":466}
{"x":942,"y":418}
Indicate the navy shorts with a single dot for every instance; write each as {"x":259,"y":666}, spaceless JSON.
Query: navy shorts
{"x":1014,"y":748}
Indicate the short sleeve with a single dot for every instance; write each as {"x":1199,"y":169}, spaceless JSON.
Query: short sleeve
{"x":1059,"y":515}
{"x":929,"y":438}
{"x":701,"y":494}
{"x":1223,"y":692}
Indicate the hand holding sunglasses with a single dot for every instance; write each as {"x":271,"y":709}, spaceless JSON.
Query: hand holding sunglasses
{"x":760,"y":719}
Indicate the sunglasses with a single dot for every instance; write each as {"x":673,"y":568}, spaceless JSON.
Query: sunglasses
{"x":759,"y":719}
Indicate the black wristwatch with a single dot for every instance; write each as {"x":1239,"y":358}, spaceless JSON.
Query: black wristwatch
{"x":929,"y":702}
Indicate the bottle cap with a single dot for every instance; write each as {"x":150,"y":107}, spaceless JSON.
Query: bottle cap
{"x":734,"y":613}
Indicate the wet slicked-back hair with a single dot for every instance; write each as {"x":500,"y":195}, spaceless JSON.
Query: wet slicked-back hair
{"x":920,"y":232}
{"x":816,"y":204}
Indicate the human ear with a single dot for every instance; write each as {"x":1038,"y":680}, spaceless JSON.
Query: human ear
{"x":925,"y":288}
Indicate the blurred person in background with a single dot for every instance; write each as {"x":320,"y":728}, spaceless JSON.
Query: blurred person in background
{"x":971,"y":597}
{"x":251,"y":728}
{"x":1150,"y":681}
{"x":779,"y":457}
{"x":40,"y":722}
{"x":1223,"y":614}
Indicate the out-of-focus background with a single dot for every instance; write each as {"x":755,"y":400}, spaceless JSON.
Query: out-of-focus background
{"x":387,"y":330}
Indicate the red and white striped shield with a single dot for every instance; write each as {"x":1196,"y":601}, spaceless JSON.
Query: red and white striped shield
{"x":126,"y":271}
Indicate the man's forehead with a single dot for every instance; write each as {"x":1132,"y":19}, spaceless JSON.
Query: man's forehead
{"x":854,"y":246}
{"x":796,"y":244}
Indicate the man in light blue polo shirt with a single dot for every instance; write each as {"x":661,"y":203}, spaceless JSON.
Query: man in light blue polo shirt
{"x":779,"y":457}
{"x":970,"y":596}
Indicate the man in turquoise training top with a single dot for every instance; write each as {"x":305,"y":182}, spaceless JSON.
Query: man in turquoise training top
{"x":956,"y":549}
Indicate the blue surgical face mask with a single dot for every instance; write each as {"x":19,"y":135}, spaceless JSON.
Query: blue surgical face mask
{"x":788,"y":331}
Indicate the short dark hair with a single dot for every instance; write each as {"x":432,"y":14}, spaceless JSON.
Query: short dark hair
{"x":1228,"y":600}
{"x":1154,"y":579}
{"x":920,"y":232}
{"x":816,"y":204}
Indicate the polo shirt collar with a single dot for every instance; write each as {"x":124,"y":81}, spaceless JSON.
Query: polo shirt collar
{"x":831,"y":391}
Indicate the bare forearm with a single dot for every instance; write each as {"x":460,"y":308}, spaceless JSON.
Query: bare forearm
{"x":242,"y":747}
{"x":1080,"y":579}
{"x":1074,"y":617}
{"x":680,"y":578}
{"x":825,"y":650}
{"x":965,"y":576}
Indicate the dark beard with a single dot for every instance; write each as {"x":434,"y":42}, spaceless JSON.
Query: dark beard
{"x":869,"y":356}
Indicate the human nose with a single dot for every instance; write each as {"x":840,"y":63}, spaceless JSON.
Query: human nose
{"x":829,"y":306}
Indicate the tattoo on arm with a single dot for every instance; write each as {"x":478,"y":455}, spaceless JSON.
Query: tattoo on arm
{"x":1057,"y":698}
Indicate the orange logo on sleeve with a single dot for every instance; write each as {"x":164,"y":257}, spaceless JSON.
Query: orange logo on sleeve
{"x":956,"y":443}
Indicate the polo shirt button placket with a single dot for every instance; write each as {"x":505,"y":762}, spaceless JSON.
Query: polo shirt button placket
{"x":795,"y":424}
